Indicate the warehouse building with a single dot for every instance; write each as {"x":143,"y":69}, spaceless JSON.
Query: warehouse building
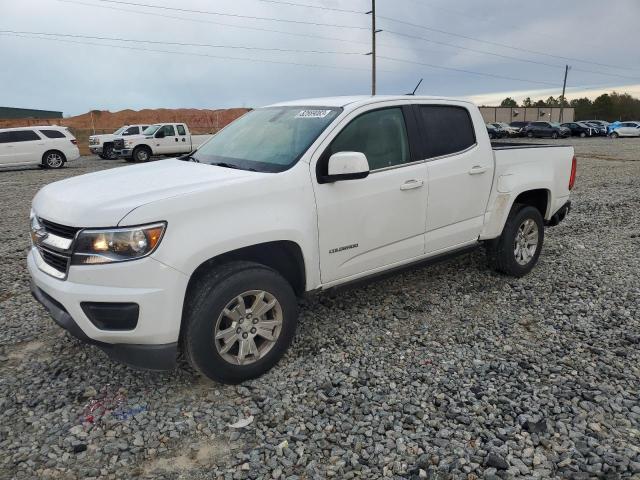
{"x":17,"y":113}
{"x":530,"y":114}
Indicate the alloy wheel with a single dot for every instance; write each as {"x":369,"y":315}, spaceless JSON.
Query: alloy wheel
{"x":248,"y":327}
{"x":526,"y":242}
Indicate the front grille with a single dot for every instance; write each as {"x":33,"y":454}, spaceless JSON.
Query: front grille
{"x":118,"y":144}
{"x":56,"y":260}
{"x":59,"y":230}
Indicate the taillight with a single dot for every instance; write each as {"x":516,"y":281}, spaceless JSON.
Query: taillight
{"x":574,"y":167}
{"x":74,"y":141}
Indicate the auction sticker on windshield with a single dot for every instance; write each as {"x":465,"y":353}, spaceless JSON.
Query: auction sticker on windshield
{"x":313,"y":113}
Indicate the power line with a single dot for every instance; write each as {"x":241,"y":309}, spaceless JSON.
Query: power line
{"x":182,"y":44}
{"x":319,"y":7}
{"x":500,"y":55}
{"x":195,"y":54}
{"x":395,"y":20}
{"x":212,"y":22}
{"x":233,"y":15}
{"x":467,"y":71}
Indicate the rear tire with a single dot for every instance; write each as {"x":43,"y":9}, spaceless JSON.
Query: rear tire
{"x":517,"y":250}
{"x":221,"y":337}
{"x":53,"y":159}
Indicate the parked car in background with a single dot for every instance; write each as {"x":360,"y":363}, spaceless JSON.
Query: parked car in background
{"x":519,"y":126}
{"x":626,"y":129}
{"x":208,"y":253}
{"x":48,"y":146}
{"x":580,"y":129}
{"x":546,"y":129}
{"x":601,"y":125}
{"x":506,"y":128}
{"x":494,"y":132}
{"x":102,"y":145}
{"x":172,"y":139}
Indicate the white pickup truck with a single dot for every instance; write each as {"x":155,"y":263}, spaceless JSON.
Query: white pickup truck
{"x":171,"y":139}
{"x":102,"y":145}
{"x":207,"y":253}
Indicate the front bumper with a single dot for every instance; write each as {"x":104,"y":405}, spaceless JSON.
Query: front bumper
{"x":157,"y":289}
{"x":124,"y":153}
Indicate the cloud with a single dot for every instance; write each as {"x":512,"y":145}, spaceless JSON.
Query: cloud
{"x":76,"y":77}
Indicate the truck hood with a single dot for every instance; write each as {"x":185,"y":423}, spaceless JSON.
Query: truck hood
{"x":103,"y":199}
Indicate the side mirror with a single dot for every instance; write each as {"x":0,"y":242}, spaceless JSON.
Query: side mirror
{"x":160,"y":134}
{"x":347,"y":166}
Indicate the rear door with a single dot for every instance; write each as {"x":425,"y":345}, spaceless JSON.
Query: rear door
{"x":184,"y":141}
{"x":27,"y":147}
{"x":460,"y":169}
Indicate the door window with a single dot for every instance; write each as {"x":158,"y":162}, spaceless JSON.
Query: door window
{"x":168,"y":131}
{"x":447,"y":129}
{"x":380,"y":134}
{"x":181,"y":130}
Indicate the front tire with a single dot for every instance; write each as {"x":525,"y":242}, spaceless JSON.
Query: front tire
{"x":239,"y":322}
{"x":141,"y":154}
{"x":53,"y":159}
{"x":517,"y":250}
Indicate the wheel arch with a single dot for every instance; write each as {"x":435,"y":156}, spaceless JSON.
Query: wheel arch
{"x":283,"y":256}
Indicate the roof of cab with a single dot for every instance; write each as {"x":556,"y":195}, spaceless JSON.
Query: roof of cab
{"x":356,"y":100}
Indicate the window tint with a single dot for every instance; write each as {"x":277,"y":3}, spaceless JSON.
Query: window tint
{"x":24,"y":136}
{"x":381,"y":135}
{"x":181,"y":130}
{"x":168,"y":130}
{"x":52,"y":133}
{"x":447,"y":129}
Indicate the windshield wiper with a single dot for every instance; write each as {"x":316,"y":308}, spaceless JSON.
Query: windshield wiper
{"x":232,"y":165}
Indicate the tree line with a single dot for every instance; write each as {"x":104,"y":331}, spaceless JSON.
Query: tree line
{"x":608,"y":106}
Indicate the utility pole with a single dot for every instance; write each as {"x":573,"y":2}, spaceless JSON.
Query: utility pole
{"x":373,"y":46}
{"x":564,"y":88}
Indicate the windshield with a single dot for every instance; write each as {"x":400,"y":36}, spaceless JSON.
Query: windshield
{"x":151,"y":130}
{"x":269,"y":139}
{"x":120,"y":130}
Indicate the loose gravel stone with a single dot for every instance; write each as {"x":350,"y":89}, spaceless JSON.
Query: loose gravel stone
{"x":444,"y":372}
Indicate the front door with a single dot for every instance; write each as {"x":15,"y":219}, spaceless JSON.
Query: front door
{"x":460,"y":168}
{"x":166,"y":144}
{"x":370,"y":223}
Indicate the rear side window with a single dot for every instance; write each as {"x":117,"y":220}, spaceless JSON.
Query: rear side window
{"x":181,"y":130}
{"x":447,"y":129}
{"x":52,"y":133}
{"x":24,"y":136}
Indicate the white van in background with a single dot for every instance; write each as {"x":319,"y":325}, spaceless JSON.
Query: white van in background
{"x":49,"y":146}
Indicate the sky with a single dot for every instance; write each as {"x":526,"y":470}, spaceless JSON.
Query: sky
{"x":461,"y":48}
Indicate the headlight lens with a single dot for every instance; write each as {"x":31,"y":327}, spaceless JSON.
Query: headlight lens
{"x":116,"y":245}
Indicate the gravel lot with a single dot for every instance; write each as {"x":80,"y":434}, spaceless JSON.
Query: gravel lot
{"x":450,"y":371}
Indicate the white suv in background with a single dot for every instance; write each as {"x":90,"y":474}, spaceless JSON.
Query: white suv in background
{"x":49,"y":146}
{"x":626,"y":129}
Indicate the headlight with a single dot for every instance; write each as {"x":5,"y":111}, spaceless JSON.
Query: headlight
{"x":117,"y":244}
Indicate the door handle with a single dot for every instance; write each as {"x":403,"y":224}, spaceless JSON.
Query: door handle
{"x":477,"y":170}
{"x":411,"y":184}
